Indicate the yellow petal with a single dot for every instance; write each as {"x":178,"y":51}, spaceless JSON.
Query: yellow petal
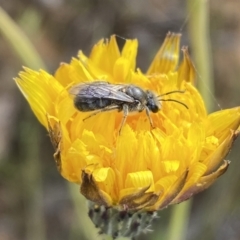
{"x":121,"y":70}
{"x":216,"y":157}
{"x":139,"y":180}
{"x":129,"y":52}
{"x":41,"y":91}
{"x":186,"y":71}
{"x":104,"y":55}
{"x":202,"y":184}
{"x":221,"y":128}
{"x":171,"y":192}
{"x":167,"y":57}
{"x":90,"y":190}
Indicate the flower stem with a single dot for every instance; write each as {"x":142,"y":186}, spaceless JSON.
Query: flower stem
{"x":199,"y":34}
{"x":200,"y":41}
{"x":19,"y":42}
{"x":83,"y":224}
{"x":179,"y":221}
{"x":31,"y":178}
{"x":29,"y":134}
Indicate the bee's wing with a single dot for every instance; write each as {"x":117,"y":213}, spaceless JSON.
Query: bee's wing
{"x":100,"y":90}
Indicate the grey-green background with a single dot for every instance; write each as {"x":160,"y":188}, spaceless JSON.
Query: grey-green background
{"x":35,"y":201}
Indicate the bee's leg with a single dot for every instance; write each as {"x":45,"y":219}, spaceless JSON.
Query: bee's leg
{"x":149,"y":117}
{"x":125,"y":114}
{"x":109,"y":108}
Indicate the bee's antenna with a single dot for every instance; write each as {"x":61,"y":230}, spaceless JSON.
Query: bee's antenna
{"x":176,"y":91}
{"x":173,"y":100}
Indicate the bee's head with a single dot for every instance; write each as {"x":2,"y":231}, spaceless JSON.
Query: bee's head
{"x":153,"y":104}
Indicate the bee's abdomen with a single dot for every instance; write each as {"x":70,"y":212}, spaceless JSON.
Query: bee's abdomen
{"x":87,"y":105}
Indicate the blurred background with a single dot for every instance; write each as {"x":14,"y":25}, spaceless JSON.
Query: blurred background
{"x":36,"y":203}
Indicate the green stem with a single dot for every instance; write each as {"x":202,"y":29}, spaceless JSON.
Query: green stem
{"x":32,"y":179}
{"x":19,"y":42}
{"x":179,"y":221}
{"x":83,"y":224}
{"x":29,"y":134}
{"x":31,"y":173}
{"x":201,"y":48}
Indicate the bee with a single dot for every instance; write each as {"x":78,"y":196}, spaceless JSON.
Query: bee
{"x":101,"y":96}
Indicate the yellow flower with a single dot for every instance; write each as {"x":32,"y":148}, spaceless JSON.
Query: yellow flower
{"x":141,"y":168}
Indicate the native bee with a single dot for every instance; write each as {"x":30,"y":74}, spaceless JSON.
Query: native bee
{"x":101,"y":96}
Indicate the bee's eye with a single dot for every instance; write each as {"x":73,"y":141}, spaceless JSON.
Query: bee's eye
{"x":154,"y":108}
{"x":152,"y":102}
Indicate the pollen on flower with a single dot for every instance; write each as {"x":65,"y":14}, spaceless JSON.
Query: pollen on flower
{"x":158,"y":158}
